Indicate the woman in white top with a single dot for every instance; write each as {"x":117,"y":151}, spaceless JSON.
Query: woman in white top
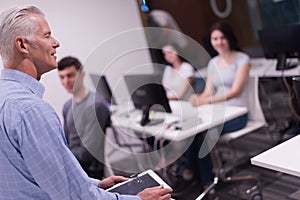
{"x":177,"y":76}
{"x":227,"y":74}
{"x":226,"y":81}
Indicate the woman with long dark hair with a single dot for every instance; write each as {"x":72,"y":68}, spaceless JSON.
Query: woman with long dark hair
{"x":226,"y":81}
{"x":178,"y":75}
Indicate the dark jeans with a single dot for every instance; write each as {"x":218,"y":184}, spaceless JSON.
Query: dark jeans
{"x":203,"y":166}
{"x":235,"y":124}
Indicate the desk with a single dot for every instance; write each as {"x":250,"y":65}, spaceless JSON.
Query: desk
{"x":209,"y":116}
{"x":283,"y":157}
{"x":261,"y":67}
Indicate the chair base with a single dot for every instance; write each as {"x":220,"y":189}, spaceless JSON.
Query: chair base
{"x":253,"y":193}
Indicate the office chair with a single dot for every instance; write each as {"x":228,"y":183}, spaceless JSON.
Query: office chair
{"x":256,"y":120}
{"x":296,"y":87}
{"x":198,"y":85}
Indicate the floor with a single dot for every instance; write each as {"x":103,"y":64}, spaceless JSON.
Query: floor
{"x":272,"y":185}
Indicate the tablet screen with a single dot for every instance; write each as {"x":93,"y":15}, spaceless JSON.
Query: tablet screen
{"x":136,"y":185}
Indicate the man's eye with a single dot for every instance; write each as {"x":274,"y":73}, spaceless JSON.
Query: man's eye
{"x":47,"y":35}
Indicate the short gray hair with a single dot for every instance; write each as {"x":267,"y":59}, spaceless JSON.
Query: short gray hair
{"x":15,"y":22}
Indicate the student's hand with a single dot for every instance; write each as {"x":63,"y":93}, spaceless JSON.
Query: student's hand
{"x":194,"y":100}
{"x":110,"y":181}
{"x":155,"y":193}
{"x":197,"y":100}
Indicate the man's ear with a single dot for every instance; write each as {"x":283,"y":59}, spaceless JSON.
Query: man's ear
{"x":21,"y":44}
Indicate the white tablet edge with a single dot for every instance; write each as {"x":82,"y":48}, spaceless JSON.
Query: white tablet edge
{"x":155,"y":177}
{"x":150,"y":172}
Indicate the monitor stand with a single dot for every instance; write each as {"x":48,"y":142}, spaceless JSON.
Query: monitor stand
{"x":281,"y":62}
{"x":282,"y":65}
{"x":145,"y":118}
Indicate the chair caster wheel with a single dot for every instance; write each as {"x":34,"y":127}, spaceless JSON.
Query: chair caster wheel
{"x":256,"y":196}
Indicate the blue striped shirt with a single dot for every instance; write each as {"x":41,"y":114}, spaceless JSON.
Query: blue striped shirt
{"x":35,"y":162}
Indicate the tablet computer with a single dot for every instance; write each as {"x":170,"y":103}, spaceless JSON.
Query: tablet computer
{"x":138,"y":183}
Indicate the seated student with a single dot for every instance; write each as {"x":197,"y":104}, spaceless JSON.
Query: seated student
{"x":177,"y":78}
{"x":83,"y":133}
{"x":178,"y":75}
{"x":226,"y":81}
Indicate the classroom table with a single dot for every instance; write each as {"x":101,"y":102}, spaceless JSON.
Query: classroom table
{"x":283,"y":157}
{"x":207,"y":116}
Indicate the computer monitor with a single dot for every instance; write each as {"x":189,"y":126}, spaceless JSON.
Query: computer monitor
{"x":147,"y":92}
{"x":281,"y":43}
{"x":103,"y":88}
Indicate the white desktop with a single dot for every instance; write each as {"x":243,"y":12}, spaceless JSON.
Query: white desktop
{"x":206,"y":116}
{"x":283,"y":157}
{"x":263,"y":67}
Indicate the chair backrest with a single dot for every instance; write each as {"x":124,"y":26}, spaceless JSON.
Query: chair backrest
{"x":296,"y":87}
{"x":255,"y":112}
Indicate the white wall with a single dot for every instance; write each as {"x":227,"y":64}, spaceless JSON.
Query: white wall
{"x":81,"y":27}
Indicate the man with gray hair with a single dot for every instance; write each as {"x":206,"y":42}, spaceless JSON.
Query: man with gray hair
{"x":35,"y":160}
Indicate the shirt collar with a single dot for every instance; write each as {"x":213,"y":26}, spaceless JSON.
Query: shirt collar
{"x":28,"y":81}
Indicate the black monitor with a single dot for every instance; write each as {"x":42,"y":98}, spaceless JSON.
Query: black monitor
{"x":147,"y":93}
{"x":103,"y":88}
{"x":281,"y":43}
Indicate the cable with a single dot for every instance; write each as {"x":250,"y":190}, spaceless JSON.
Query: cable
{"x":291,"y":96}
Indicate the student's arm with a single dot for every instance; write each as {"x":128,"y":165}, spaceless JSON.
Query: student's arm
{"x":240,"y":80}
{"x":205,"y":96}
{"x":183,"y":89}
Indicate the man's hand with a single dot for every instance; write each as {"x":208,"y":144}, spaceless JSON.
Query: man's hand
{"x":110,"y":181}
{"x":155,"y":193}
